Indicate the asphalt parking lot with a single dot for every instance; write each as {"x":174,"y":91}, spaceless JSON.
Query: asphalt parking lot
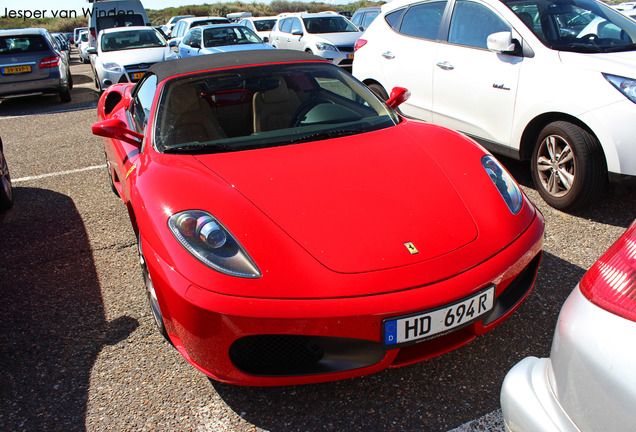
{"x":78,"y":346}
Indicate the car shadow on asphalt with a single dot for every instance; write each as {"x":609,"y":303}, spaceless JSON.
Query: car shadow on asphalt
{"x":434,"y":395}
{"x":52,"y":320}
{"x":82,"y":98}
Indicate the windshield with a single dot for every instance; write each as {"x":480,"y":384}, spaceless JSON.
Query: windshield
{"x":120,"y":20}
{"x":209,"y":21}
{"x":222,"y":36}
{"x":576,"y":25}
{"x":334,"y":24}
{"x":265,"y":106}
{"x":133,"y":39}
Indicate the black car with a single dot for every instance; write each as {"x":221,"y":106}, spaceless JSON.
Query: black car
{"x":6,"y":190}
{"x":31,"y":62}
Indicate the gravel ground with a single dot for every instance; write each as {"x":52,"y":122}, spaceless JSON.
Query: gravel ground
{"x":78,"y":347}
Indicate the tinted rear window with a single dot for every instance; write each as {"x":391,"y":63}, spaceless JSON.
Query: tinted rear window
{"x":123,"y":20}
{"x":18,"y":44}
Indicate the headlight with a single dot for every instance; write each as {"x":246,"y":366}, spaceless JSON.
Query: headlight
{"x":325,"y":47}
{"x":627,"y":86}
{"x":504,"y":183}
{"x":211,"y":243}
{"x":112,"y":67}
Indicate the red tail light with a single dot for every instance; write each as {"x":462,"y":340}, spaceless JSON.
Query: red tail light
{"x":359,"y":44}
{"x":49,"y":62}
{"x":611,"y":282}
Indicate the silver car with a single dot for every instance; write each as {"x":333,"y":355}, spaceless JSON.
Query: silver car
{"x":32,"y":63}
{"x":589,"y":381}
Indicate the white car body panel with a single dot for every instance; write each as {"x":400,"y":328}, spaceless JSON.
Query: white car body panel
{"x":587,"y":384}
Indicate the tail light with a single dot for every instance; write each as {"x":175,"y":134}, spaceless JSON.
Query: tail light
{"x":49,"y":62}
{"x":359,"y":44}
{"x":611,"y":282}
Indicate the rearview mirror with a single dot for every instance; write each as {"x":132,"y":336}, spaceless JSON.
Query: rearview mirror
{"x":117,"y":129}
{"x":399,"y":95}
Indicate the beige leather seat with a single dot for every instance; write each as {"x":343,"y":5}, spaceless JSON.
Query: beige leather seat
{"x":273,"y":109}
{"x":189,"y":118}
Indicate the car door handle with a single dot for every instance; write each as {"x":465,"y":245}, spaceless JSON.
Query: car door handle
{"x":445,"y":65}
{"x":388,"y":55}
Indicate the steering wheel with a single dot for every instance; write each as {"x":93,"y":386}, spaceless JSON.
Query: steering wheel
{"x":299,"y":115}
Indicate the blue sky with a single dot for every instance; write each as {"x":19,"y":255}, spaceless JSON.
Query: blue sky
{"x":30,"y":6}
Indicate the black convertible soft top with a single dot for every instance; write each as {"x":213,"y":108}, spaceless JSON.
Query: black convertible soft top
{"x":167,"y":69}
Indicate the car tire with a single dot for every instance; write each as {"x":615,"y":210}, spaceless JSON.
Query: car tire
{"x":65,"y":95}
{"x":70,"y":80}
{"x":568,"y":166}
{"x":110,"y":176}
{"x":6,"y":189}
{"x":379,"y":91}
{"x":153,"y":302}
{"x":98,"y":84}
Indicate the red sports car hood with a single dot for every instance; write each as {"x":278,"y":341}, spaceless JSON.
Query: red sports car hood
{"x":358,"y":203}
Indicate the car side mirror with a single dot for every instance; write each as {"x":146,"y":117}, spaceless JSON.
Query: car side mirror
{"x":297,"y":32}
{"x":399,"y":95}
{"x":196,"y":45}
{"x":117,"y":129}
{"x":91,"y":50}
{"x":502,"y":43}
{"x":173,"y":43}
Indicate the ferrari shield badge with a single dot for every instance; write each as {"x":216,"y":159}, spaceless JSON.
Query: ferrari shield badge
{"x":411,"y":248}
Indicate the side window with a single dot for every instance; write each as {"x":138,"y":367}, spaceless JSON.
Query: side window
{"x":196,"y":37}
{"x":142,"y":101}
{"x":369,"y":17}
{"x":285,"y":25}
{"x":423,"y":20}
{"x":187,"y":39}
{"x":394,"y":19}
{"x":472,"y":23}
{"x":357,"y":19}
{"x":179,"y":29}
{"x":296,"y":25}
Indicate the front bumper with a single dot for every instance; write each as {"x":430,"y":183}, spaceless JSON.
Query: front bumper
{"x":588,"y":383}
{"x":132,"y":73}
{"x":260,"y":341}
{"x":615,"y":129}
{"x":339,"y":58}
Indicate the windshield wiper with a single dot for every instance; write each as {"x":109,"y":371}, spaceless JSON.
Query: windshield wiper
{"x":327,"y":134}
{"x":197,"y":147}
{"x":628,"y":47}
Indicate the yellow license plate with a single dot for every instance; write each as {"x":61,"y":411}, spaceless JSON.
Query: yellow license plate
{"x":137,"y":75}
{"x":16,"y":69}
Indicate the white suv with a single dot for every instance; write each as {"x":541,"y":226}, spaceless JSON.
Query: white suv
{"x":327,"y":35}
{"x":552,"y":81}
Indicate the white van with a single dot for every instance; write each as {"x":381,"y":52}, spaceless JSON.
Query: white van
{"x":116,"y":13}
